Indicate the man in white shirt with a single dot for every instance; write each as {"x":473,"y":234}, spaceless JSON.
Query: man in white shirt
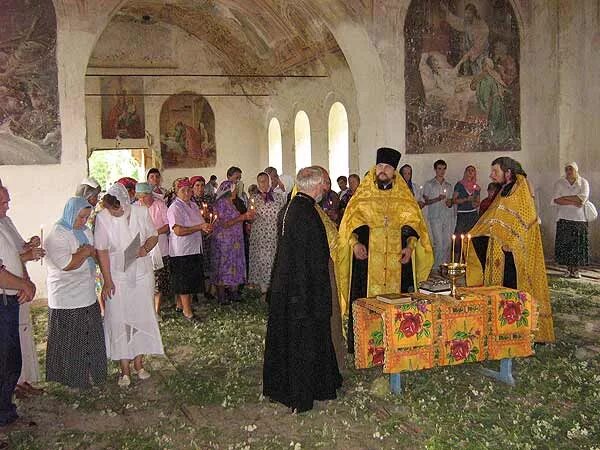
{"x":437,"y":198}
{"x":15,"y":289}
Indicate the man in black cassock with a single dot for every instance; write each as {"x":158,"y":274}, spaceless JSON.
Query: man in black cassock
{"x":300,"y":364}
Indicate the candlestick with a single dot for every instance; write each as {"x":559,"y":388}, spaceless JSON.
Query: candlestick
{"x":468,"y":245}
{"x":462,"y":247}
{"x":42,"y":242}
{"x":453,"y":242}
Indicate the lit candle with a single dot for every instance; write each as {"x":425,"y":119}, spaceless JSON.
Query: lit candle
{"x":453,"y":242}
{"x":252,"y":204}
{"x":211,"y":216}
{"x":42,"y":242}
{"x":462,"y":248}
{"x":215,"y":219}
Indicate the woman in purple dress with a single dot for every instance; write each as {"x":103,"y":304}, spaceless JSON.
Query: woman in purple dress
{"x":229,"y":261}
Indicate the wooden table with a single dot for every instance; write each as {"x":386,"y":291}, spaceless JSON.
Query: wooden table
{"x":490,"y":323}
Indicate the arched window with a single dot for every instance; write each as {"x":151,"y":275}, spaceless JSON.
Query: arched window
{"x":275,"y":150}
{"x":338,"y":142}
{"x":302,"y":140}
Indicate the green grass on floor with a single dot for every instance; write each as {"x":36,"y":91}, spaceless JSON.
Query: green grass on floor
{"x":207,"y":394}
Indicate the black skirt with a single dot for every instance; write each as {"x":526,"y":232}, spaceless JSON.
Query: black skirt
{"x":187,"y":275}
{"x":162,"y":278}
{"x":76,"y":352}
{"x":571,"y":247}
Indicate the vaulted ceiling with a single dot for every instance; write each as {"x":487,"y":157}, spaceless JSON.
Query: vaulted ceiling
{"x":250,"y":36}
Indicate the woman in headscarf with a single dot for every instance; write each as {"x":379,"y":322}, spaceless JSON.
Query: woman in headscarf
{"x":76,"y":353}
{"x":160,"y":253}
{"x":204,"y":202}
{"x":89,"y":190}
{"x":263,"y":235}
{"x":129,"y":184}
{"x":466,"y":197}
{"x":229,"y":261}
{"x":124,"y":237}
{"x":407,"y":173}
{"x":571,"y":247}
{"x":185,"y":246}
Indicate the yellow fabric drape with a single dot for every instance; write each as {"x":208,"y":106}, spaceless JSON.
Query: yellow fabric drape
{"x":385,"y":212}
{"x":512,"y":222}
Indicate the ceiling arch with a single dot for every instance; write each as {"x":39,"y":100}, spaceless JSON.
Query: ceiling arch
{"x":250,"y":37}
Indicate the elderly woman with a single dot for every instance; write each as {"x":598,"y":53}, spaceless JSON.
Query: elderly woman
{"x":124,"y":237}
{"x":185,"y":246}
{"x":129,"y":184}
{"x":76,"y":353}
{"x":571,"y":246}
{"x":160,"y":253}
{"x":229,"y":261}
{"x":263,"y":234}
{"x":89,"y":190}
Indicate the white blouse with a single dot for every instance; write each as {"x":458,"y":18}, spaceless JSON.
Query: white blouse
{"x":116,"y":233}
{"x":67,"y":289}
{"x":562,"y":188}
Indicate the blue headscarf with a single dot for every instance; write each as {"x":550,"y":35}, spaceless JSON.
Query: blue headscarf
{"x":70,"y":213}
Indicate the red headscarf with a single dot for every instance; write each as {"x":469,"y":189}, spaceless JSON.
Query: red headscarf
{"x":470,"y":185}
{"x":128,"y":182}
{"x":183,"y":182}
{"x":193,"y":180}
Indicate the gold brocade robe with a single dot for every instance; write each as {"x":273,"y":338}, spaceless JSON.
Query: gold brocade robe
{"x":512,"y":222}
{"x":385,"y":212}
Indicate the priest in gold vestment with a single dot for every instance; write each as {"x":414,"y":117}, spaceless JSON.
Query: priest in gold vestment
{"x":382,"y":226}
{"x":506,"y":246}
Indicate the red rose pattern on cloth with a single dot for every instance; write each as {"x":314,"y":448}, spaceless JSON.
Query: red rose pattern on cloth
{"x":489,"y":323}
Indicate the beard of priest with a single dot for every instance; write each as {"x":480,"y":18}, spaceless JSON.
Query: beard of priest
{"x":380,"y":220}
{"x":506,"y":249}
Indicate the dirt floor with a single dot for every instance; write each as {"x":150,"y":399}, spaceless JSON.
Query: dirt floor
{"x":206,"y":394}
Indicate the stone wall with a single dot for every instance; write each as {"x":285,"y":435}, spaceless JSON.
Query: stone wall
{"x":560,"y":104}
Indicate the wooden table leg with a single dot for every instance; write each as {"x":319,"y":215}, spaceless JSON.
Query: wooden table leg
{"x":505,"y":373}
{"x":395,"y":383}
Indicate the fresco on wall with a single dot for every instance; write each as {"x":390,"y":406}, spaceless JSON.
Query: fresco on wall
{"x":462,"y":76}
{"x":122,"y":107}
{"x":29,"y":114}
{"x":187,"y":132}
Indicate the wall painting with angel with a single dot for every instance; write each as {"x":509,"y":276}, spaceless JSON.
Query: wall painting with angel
{"x":462,"y":76}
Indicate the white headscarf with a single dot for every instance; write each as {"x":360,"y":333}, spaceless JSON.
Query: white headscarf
{"x":576,"y":169}
{"x":118,"y":190}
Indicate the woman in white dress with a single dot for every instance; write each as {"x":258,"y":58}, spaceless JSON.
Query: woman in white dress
{"x":130,"y":325}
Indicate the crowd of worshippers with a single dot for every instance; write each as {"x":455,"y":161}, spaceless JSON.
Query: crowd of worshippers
{"x":311,"y":250}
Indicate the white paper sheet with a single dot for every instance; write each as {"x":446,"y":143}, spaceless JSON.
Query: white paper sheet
{"x":131,"y":252}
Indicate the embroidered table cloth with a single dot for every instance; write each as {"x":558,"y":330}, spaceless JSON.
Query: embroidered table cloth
{"x":489,"y":323}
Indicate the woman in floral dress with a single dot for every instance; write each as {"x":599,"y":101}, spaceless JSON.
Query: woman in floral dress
{"x":263,"y":236}
{"x":229,"y":261}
